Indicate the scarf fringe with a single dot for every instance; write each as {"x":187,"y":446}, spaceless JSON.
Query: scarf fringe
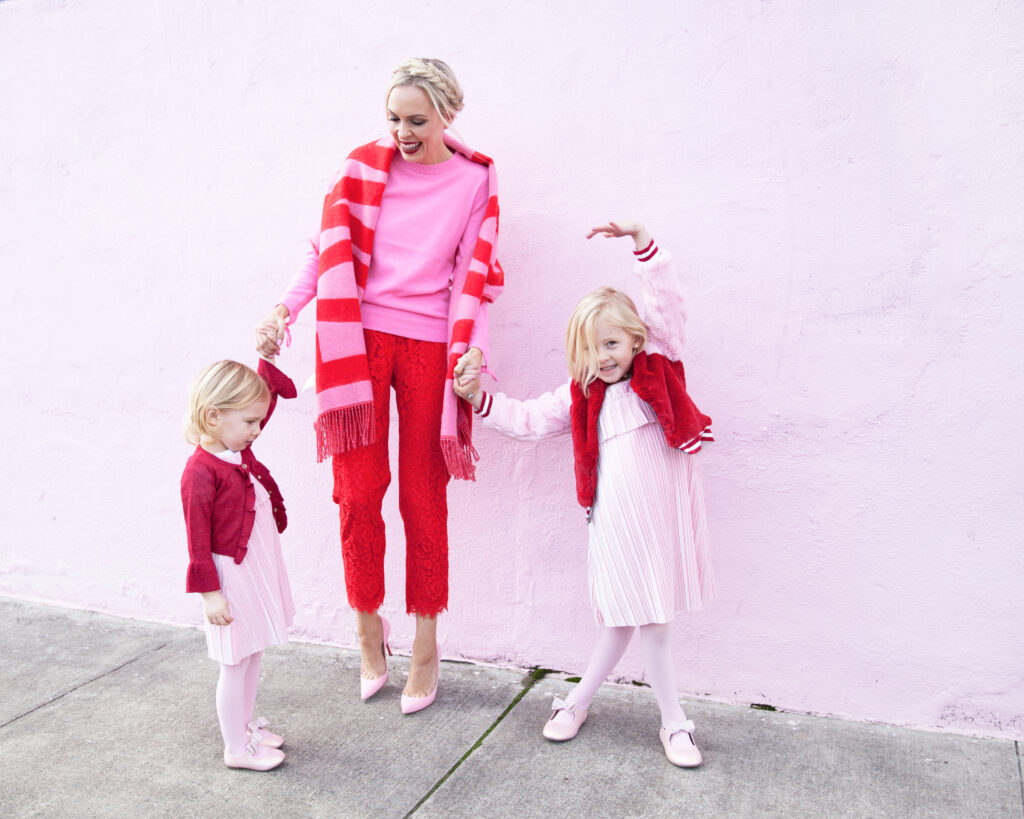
{"x":342,"y":429}
{"x":458,"y":457}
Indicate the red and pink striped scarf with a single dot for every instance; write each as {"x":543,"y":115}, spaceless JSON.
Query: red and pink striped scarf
{"x":344,"y":395}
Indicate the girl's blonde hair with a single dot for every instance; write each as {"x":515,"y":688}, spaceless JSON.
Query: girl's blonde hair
{"x":226,"y":385}
{"x":436,"y":78}
{"x":604,"y":304}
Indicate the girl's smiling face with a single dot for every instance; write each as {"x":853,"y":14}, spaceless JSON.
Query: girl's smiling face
{"x":416,"y":127}
{"x":235,"y":429}
{"x":615,"y":351}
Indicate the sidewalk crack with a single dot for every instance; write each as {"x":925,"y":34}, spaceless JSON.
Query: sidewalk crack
{"x":89,"y":681}
{"x":1020,"y":774}
{"x":535,"y":676}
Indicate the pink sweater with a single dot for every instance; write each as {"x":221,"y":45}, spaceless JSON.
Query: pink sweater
{"x":429,"y":220}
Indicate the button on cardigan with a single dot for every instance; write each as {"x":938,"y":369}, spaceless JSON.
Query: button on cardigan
{"x":219,"y":500}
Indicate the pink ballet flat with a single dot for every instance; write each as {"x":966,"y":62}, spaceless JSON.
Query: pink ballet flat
{"x":560,"y":731}
{"x":686,"y":755}
{"x":410,"y":705}
{"x":258,"y":729}
{"x":255,"y":757}
{"x":367,"y":688}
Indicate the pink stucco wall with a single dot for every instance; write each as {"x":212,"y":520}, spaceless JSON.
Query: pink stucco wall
{"x":841,"y":184}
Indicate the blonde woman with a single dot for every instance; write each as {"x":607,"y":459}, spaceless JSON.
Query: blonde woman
{"x":635,"y":434}
{"x":402,"y":270}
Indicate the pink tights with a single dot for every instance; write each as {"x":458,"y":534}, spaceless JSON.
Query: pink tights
{"x":658,"y":667}
{"x":236,"y":700}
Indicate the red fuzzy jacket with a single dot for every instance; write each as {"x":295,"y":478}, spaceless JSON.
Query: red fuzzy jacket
{"x":219,"y":500}
{"x":660,"y":382}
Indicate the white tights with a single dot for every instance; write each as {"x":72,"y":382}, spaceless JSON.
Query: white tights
{"x":611,"y":645}
{"x":236,"y":700}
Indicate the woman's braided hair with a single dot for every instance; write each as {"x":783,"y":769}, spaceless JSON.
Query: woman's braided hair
{"x":436,"y":78}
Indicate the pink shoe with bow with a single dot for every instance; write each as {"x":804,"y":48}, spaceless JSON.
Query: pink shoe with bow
{"x":565,"y":721}
{"x":258,"y":729}
{"x":681,"y":750}
{"x":254,"y":757}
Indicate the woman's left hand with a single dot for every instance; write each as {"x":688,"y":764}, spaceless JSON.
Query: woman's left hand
{"x":467,"y":370}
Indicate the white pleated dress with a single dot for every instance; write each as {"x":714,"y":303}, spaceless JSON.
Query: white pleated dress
{"x":649,"y":554}
{"x":257,"y":589}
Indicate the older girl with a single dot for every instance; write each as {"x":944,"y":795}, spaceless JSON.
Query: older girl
{"x":402,"y":270}
{"x":635,"y":432}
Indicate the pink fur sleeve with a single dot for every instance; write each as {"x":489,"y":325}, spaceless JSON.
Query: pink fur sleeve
{"x":664,"y":307}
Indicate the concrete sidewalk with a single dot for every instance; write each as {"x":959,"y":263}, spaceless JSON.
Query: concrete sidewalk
{"x":101,"y":716}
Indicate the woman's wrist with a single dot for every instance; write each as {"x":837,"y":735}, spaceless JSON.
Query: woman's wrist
{"x":282,"y":312}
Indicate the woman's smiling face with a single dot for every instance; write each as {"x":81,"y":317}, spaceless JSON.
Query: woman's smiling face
{"x":416,"y":127}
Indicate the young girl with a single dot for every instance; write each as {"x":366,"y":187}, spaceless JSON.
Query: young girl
{"x":233,"y":513}
{"x":634,"y":432}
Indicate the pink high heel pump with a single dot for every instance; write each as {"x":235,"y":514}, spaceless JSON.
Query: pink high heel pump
{"x":410,"y":705}
{"x":367,"y":688}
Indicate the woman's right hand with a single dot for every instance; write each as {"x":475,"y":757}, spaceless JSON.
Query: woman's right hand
{"x":215,"y":607}
{"x":270,"y":332}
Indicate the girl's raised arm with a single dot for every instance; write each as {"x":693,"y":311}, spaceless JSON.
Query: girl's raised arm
{"x":664,"y":309}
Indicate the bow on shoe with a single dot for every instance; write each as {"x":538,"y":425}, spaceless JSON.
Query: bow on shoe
{"x":560,"y":705}
{"x":673,"y":728}
{"x":258,"y":729}
{"x":257,"y":724}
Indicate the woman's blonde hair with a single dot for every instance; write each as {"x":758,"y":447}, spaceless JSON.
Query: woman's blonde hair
{"x":604,"y":304}
{"x":226,"y":385}
{"x":436,"y":78}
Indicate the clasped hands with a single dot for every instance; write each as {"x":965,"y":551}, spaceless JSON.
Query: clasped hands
{"x":467,"y":376}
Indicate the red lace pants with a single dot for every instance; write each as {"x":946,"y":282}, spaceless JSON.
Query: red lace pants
{"x":416,"y":370}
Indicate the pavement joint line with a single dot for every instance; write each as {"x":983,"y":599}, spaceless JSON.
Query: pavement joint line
{"x":1020,"y":774}
{"x":534,"y":677}
{"x":73,"y":688}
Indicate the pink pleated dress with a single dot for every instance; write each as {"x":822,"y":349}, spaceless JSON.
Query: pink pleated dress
{"x":257,"y":589}
{"x":649,"y":554}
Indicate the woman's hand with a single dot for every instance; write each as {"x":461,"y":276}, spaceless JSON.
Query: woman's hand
{"x":624,"y":227}
{"x":215,"y":607}
{"x":471,"y":392}
{"x":467,"y":375}
{"x":270,"y":332}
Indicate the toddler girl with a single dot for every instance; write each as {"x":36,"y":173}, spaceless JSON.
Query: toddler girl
{"x":634,"y":431}
{"x":233,"y":513}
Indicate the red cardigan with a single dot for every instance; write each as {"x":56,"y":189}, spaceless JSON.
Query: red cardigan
{"x":219,"y":500}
